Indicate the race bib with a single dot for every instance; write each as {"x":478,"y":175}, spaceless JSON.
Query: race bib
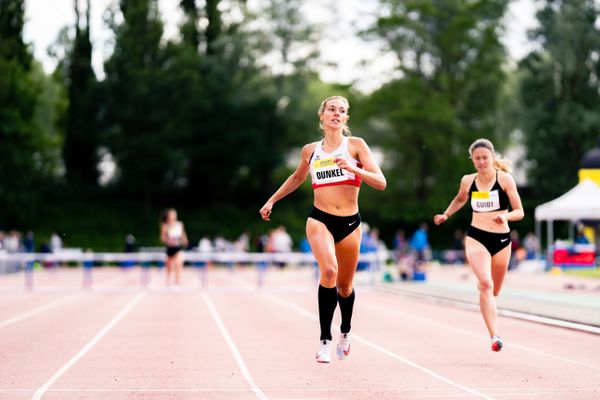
{"x":327,"y":171}
{"x":485,"y":201}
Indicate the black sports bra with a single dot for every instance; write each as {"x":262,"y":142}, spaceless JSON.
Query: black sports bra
{"x":494,"y":200}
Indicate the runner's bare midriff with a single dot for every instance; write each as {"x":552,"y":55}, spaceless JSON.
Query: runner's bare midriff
{"x":485,"y":222}
{"x":340,"y":200}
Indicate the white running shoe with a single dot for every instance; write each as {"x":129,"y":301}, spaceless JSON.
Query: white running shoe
{"x":324,"y":352}
{"x":343,"y":347}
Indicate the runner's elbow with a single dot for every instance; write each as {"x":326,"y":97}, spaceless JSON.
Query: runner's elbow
{"x":518,"y":215}
{"x":380,"y":184}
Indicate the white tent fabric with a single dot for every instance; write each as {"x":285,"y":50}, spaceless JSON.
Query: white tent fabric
{"x":581,"y":202}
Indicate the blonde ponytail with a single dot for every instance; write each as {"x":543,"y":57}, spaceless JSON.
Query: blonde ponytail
{"x":502,"y":164}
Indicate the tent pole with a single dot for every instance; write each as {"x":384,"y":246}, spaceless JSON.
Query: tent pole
{"x":550,"y":238}
{"x":572,"y":231}
{"x":538,"y":234}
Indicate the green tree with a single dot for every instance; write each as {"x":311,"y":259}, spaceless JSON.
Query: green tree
{"x":81,"y":135}
{"x":214,"y":29}
{"x":238,"y":125}
{"x":449,"y":62}
{"x":136,"y":114}
{"x":19,"y":135}
{"x":560,"y":94}
{"x":189,"y":30}
{"x":293,"y":43}
{"x":49,"y":121}
{"x":185,"y":97}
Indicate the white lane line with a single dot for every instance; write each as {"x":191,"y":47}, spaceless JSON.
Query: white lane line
{"x":520,"y":391}
{"x":469,"y":333}
{"x":234,"y":350}
{"x":36,"y":311}
{"x":381,"y":349}
{"x":116,"y":319}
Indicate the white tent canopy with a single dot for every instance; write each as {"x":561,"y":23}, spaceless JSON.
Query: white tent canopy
{"x":580,"y":203}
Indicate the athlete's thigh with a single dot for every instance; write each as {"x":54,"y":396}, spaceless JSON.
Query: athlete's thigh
{"x":500,"y":262}
{"x":479,"y":259}
{"x":321,"y":243}
{"x":347,"y":252}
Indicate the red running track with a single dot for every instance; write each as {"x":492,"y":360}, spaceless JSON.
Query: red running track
{"x":233,"y":340}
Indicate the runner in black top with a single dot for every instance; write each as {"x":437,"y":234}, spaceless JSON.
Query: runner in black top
{"x":487,"y":246}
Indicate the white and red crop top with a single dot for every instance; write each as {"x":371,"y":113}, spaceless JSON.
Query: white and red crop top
{"x":324,"y":170}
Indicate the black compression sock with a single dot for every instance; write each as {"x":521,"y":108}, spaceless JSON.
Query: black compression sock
{"x":346,"y":307}
{"x":327,"y":302}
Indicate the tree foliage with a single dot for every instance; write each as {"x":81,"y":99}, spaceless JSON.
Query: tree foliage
{"x":213,"y":119}
{"x":449,"y":62}
{"x":135,"y":111}
{"x":560,"y":94}
{"x":199,"y":118}
{"x":81,"y":132}
{"x":24,"y":162}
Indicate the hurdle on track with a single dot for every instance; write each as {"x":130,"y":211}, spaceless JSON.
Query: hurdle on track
{"x":88,"y":261}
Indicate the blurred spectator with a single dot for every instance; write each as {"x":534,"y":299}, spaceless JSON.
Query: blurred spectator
{"x":458,"y":240}
{"x":222,"y":245}
{"x":45,"y":248}
{"x":204,"y":245}
{"x":532,"y":245}
{"x":402,"y":255}
{"x":55,"y":243}
{"x":458,"y":246}
{"x":366,"y":245}
{"x":377,"y":243}
{"x":12,"y":242}
{"x":400,"y":245}
{"x":29,"y":242}
{"x":515,"y":245}
{"x":262,"y":243}
{"x":370,"y":243}
{"x":580,"y":237}
{"x":242,"y":244}
{"x":129,"y":243}
{"x":280,"y":242}
{"x":304,"y":246}
{"x":419,"y":243}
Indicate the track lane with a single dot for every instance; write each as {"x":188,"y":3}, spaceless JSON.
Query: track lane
{"x":167,"y":347}
{"x":33,"y":349}
{"x":453,"y":350}
{"x":278,"y":343}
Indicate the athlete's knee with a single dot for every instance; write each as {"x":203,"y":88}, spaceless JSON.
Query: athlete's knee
{"x":329,"y":273}
{"x":344,"y":289}
{"x":486,"y":285}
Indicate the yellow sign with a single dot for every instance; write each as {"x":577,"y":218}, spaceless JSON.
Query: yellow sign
{"x":593,"y":174}
{"x":324,"y":163}
{"x":480,"y":195}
